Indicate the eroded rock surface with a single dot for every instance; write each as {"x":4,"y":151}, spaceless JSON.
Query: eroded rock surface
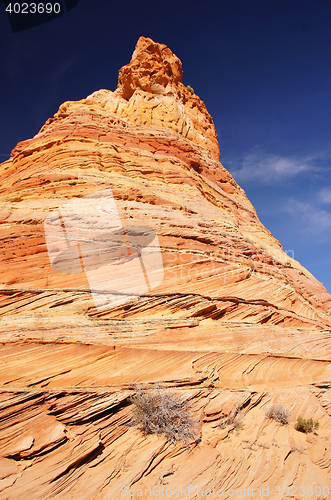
{"x":236,"y":324}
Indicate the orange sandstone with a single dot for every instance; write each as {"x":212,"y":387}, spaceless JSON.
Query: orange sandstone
{"x":235,"y":323}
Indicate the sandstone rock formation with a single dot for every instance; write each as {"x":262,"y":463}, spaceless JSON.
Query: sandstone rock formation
{"x":234,"y":324}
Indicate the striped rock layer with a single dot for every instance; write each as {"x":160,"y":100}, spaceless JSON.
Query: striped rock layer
{"x":235,"y":324}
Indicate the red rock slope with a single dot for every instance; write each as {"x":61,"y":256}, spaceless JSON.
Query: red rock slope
{"x":235,"y":322}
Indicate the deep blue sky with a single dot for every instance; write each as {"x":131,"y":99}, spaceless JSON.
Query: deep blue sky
{"x":263,"y":68}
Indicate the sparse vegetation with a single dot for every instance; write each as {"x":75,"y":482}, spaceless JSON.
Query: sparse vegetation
{"x":263,"y":445}
{"x":250,"y":240}
{"x":235,"y":419}
{"x":297,"y":448}
{"x":306,"y":426}
{"x":278,"y":413}
{"x":238,"y":420}
{"x":190,"y":89}
{"x":160,"y":411}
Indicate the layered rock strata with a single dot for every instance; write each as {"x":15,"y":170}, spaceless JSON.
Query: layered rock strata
{"x":235,"y":323}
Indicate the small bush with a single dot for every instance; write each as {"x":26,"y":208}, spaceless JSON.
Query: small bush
{"x":190,"y":89}
{"x":306,"y":426}
{"x":159,"y":411}
{"x":297,"y":448}
{"x":278,"y":413}
{"x":250,"y":240}
{"x":236,"y":419}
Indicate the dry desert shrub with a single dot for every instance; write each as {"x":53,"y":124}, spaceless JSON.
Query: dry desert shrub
{"x":299,"y":449}
{"x":250,"y":240}
{"x":236,"y":419}
{"x":278,"y":413}
{"x":160,"y":411}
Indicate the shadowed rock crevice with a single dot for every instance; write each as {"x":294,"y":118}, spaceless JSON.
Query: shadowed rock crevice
{"x":82,"y":461}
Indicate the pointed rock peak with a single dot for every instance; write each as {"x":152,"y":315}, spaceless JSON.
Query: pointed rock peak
{"x":153,"y":68}
{"x":152,"y":86}
{"x":146,"y":50}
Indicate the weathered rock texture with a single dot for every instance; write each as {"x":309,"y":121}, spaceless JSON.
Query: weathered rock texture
{"x":235,"y":324}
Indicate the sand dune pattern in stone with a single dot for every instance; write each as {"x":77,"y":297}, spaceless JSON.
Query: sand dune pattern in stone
{"x":234,"y":327}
